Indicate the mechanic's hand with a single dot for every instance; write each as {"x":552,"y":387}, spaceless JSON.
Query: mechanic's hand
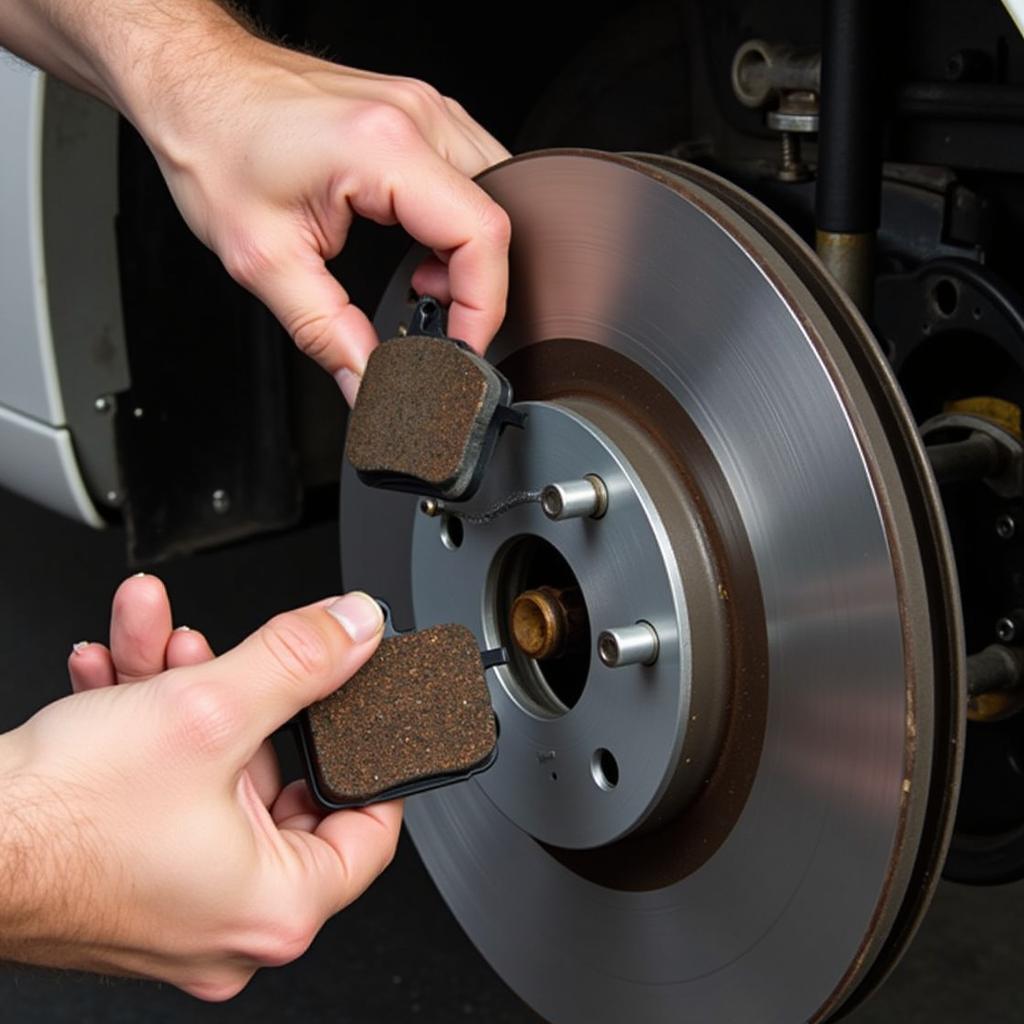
{"x":273,"y":162}
{"x":149,"y":830}
{"x":269,"y":153}
{"x":143,"y":643}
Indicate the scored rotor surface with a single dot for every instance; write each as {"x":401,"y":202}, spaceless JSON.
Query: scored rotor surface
{"x":792,"y":910}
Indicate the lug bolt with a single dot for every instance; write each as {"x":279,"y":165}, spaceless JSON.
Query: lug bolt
{"x":1006,"y":527}
{"x":575,"y":499}
{"x":628,"y":645}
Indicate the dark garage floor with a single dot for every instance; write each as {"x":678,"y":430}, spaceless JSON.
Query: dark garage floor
{"x":396,"y":955}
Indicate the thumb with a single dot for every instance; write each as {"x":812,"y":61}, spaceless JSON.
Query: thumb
{"x":297,"y":658}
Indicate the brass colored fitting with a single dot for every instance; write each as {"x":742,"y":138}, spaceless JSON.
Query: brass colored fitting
{"x":539,"y":623}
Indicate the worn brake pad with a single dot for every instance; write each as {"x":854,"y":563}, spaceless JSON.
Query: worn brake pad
{"x":416,"y":716}
{"x":429,"y":412}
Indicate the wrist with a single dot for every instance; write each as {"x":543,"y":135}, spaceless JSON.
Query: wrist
{"x":179,"y":60}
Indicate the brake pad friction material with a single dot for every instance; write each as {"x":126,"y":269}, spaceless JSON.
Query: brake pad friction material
{"x":423,"y":416}
{"x":416,"y":715}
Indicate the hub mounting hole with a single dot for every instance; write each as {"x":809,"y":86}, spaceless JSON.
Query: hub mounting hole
{"x":946,"y":296}
{"x":452,"y":532}
{"x":604,"y":768}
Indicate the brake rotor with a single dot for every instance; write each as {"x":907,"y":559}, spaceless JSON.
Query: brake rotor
{"x":750,"y":828}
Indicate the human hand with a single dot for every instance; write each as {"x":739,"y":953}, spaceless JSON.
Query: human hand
{"x":144,"y":643}
{"x":270,"y":165}
{"x":146,"y":831}
{"x":270,"y":153}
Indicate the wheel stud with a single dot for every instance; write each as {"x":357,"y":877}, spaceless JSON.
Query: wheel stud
{"x":575,"y":499}
{"x":628,"y":645}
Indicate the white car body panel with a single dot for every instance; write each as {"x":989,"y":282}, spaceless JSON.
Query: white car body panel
{"x":28,"y":370}
{"x":56,"y":242}
{"x":38,"y":462}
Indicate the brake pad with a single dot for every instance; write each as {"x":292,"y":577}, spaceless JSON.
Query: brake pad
{"x":429,"y":412}
{"x":416,"y":716}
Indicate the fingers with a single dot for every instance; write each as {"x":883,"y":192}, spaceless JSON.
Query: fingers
{"x":295,"y":659}
{"x":140,"y":628}
{"x":346,"y":851}
{"x":431,"y":278}
{"x":296,"y":809}
{"x":90,"y":667}
{"x":187,"y":647}
{"x":412,"y":167}
{"x":265,"y":773}
{"x":314,"y":309}
{"x":363,"y":843}
{"x":453,"y":216}
{"x":190,"y":647}
{"x":141,"y":640}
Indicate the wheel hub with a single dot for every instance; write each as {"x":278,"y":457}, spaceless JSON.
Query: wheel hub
{"x":588,"y":753}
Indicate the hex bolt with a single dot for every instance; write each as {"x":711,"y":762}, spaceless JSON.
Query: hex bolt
{"x":629,"y":645}
{"x":1006,"y":630}
{"x":575,"y":499}
{"x":1006,"y":527}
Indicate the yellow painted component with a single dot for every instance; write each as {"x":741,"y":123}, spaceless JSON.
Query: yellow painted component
{"x":992,"y":707}
{"x":1002,"y":413}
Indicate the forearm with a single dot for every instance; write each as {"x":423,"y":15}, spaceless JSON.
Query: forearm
{"x":138,"y":55}
{"x":24,"y":858}
{"x":50,"y":861}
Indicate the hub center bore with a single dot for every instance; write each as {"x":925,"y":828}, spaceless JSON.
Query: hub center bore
{"x":588,"y":752}
{"x":542,"y":619}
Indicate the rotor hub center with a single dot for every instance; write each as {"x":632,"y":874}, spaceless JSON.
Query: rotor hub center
{"x":589,"y":751}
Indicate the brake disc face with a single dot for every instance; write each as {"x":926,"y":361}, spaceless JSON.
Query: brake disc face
{"x":745,"y":830}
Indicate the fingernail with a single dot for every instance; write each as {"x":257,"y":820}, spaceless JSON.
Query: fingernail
{"x":80,"y":646}
{"x":183,"y":629}
{"x":138,"y":576}
{"x":349,"y":383}
{"x":359,"y":615}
